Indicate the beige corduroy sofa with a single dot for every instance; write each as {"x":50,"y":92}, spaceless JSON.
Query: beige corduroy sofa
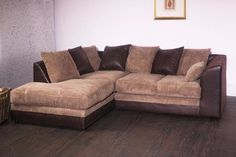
{"x":80,"y":101}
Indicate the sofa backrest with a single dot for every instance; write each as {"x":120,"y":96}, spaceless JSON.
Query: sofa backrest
{"x":41,"y":75}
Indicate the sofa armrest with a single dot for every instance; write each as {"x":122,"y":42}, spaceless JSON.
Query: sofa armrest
{"x":40,"y":72}
{"x":213,"y":84}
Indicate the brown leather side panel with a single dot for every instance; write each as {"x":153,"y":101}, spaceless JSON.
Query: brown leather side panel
{"x":59,"y":120}
{"x":154,"y":107}
{"x":40,"y":72}
{"x":213,"y":84}
{"x":47,"y":119}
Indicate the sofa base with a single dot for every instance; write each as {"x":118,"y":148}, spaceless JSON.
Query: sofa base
{"x":155,"y":107}
{"x":61,"y":120}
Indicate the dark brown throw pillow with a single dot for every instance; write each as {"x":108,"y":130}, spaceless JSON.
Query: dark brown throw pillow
{"x":81,"y":60}
{"x":114,"y":58}
{"x":166,"y":62}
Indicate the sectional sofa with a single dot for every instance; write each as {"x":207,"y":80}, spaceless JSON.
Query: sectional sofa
{"x":74,"y":88}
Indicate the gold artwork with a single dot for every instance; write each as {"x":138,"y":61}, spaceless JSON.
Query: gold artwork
{"x":169,"y":9}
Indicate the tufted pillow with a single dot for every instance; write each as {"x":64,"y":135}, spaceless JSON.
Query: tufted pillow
{"x":81,"y":60}
{"x":166,"y":62}
{"x":60,"y":66}
{"x":93,"y":56}
{"x":190,"y":57}
{"x":195,"y":71}
{"x":114,"y":58}
{"x":140,"y":59}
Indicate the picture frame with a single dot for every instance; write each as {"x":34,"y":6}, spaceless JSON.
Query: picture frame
{"x":169,"y":9}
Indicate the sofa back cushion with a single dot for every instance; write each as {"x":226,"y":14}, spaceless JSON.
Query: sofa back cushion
{"x":93,"y":56}
{"x":81,"y":60}
{"x":60,"y":66}
{"x":166,"y":62}
{"x":114,"y":58}
{"x":190,"y":57}
{"x":194,"y":72}
{"x":140,"y":59}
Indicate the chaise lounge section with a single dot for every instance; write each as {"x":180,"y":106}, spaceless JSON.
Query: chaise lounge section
{"x":76,"y":103}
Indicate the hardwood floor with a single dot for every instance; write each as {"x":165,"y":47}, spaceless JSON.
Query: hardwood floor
{"x":127,"y":134}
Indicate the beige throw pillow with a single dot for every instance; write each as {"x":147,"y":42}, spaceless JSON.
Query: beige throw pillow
{"x":190,"y":57}
{"x":93,"y":56}
{"x":195,"y":71}
{"x":60,"y":66}
{"x":140,"y":59}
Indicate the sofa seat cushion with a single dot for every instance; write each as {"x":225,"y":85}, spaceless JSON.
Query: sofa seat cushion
{"x":61,"y":111}
{"x":176,"y":86}
{"x":111,"y":75}
{"x":72,"y":94}
{"x":138,"y":83}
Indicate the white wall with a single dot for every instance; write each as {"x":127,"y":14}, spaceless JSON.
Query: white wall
{"x":209,"y":24}
{"x":27,"y":28}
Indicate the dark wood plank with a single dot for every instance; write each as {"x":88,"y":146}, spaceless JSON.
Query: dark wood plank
{"x":127,"y":134}
{"x":100,"y":136}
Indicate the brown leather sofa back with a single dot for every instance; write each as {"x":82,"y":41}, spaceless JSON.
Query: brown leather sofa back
{"x":40,"y":72}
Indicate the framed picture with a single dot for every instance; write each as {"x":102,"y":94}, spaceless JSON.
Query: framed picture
{"x":170,"y":9}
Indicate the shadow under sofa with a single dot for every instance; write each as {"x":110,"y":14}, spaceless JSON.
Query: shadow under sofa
{"x":211,"y":100}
